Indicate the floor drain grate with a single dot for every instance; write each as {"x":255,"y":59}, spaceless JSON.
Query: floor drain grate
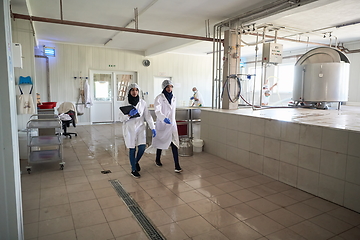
{"x":144,"y":222}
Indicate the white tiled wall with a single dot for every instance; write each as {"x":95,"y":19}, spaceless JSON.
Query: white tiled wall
{"x":320,"y":160}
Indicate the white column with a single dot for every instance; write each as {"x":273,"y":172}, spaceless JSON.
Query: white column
{"x":11,"y":221}
{"x":231,"y":65}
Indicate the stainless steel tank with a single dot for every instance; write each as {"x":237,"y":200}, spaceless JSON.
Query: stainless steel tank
{"x":321,"y":76}
{"x":185,"y":147}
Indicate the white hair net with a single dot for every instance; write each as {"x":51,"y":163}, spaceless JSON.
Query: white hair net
{"x":166,"y":83}
{"x":133,"y":85}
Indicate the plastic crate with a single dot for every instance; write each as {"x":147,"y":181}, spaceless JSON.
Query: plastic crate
{"x":182,"y":128}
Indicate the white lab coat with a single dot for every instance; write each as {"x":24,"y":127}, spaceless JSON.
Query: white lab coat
{"x":199,"y":102}
{"x":165,"y":133}
{"x":134,"y":129}
{"x":87,"y":94}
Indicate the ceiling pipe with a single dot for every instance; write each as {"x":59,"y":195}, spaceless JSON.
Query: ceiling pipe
{"x":113,"y":28}
{"x":291,"y":40}
{"x":132,"y":20}
{"x":347,"y":51}
{"x":270,"y":9}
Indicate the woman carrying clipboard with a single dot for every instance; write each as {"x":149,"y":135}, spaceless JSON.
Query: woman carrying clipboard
{"x":133,"y":116}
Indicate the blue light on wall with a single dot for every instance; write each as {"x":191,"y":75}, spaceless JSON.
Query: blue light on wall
{"x":49,"y":51}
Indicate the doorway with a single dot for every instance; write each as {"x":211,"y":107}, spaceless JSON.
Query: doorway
{"x":108,"y":90}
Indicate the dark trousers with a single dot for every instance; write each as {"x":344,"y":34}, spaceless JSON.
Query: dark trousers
{"x":134,"y":160}
{"x":175,"y":153}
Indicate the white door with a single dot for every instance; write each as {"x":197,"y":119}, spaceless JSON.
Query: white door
{"x":109,"y":91}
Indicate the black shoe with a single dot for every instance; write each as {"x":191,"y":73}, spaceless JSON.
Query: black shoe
{"x":138,"y":168}
{"x":135,"y":174}
{"x":178,"y":170}
{"x":158,"y":163}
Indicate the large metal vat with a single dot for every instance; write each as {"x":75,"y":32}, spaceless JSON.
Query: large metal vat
{"x":321,"y":76}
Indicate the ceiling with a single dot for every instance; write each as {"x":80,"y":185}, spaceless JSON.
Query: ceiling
{"x":315,"y":22}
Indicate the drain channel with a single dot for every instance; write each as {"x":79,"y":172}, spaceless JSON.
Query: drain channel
{"x":144,"y":222}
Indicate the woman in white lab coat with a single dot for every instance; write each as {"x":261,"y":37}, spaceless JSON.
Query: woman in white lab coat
{"x":166,"y":129}
{"x":134,"y":129}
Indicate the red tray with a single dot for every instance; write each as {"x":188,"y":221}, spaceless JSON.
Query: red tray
{"x":47,"y":105}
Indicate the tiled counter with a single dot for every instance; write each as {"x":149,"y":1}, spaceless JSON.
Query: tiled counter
{"x":317,"y":151}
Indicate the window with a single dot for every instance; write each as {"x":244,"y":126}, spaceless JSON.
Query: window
{"x":123,"y":82}
{"x":102,"y":87}
{"x":285,"y":78}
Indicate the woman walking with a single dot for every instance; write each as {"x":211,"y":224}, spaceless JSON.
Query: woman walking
{"x":134,"y":129}
{"x":166,"y":129}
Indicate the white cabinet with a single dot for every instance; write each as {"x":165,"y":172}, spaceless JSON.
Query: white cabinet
{"x":44,"y":148}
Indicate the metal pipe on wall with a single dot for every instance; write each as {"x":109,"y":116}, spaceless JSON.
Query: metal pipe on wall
{"x":219,"y":69}
{"x":256,"y":50}
{"x":47,"y":75}
{"x":262,"y":12}
{"x":213,"y":72}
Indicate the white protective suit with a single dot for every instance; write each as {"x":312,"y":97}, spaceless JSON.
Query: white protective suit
{"x":165,"y":133}
{"x":200,"y":101}
{"x":134,"y":129}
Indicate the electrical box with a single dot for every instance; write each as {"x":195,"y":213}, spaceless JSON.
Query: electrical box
{"x":17,"y":55}
{"x":272,"y":53}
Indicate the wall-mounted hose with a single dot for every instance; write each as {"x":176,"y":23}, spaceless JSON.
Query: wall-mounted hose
{"x":227,"y":86}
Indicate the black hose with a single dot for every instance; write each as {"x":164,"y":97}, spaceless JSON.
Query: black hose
{"x":227,"y":83}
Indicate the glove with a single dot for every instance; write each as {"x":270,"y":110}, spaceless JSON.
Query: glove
{"x":167,"y":121}
{"x":133,"y":112}
{"x":191,"y":98}
{"x":153,"y":132}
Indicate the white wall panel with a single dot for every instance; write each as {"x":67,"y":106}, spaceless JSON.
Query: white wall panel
{"x":186,"y":71}
{"x":23,"y":35}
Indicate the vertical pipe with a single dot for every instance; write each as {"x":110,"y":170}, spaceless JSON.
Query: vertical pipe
{"x":302,"y":84}
{"x":262,"y":70}
{"x":307,"y":44}
{"x":206,"y":33}
{"x":217,"y":70}
{"x":213,"y":73}
{"x":336,"y":40}
{"x":208,"y":26}
{"x":256,"y":50}
{"x":136,"y":19}
{"x":47,"y":76}
{"x":61,"y":10}
{"x":48,"y":79}
{"x":219,"y":66}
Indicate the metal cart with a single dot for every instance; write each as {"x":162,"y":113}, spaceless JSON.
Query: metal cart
{"x":44,"y":147}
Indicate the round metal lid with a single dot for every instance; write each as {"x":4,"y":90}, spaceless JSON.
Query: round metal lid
{"x":322,"y":55}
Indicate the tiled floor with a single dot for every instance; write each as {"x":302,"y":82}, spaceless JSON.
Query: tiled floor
{"x":212,"y":199}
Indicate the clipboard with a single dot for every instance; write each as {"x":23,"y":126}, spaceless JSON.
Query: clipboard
{"x":126,"y":110}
